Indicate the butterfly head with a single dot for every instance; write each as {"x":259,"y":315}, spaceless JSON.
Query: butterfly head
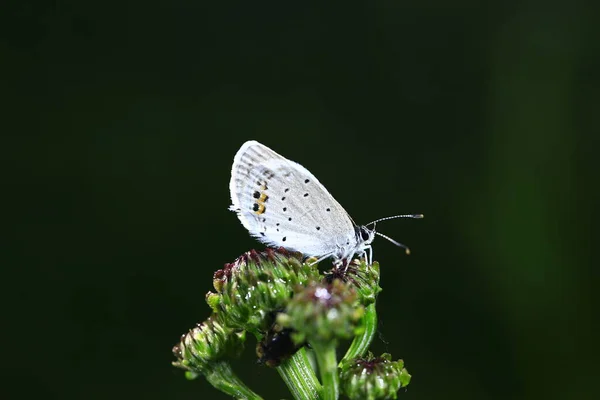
{"x":365,"y":235}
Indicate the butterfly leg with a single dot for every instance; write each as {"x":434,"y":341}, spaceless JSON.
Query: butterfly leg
{"x":368,"y":256}
{"x":321,"y":259}
{"x":344,"y":263}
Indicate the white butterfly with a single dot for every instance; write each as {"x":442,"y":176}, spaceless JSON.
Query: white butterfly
{"x":283,"y":205}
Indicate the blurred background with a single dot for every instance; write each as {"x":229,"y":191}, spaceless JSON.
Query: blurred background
{"x":120,"y":123}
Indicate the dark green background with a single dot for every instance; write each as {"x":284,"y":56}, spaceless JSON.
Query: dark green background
{"x":120,"y":122}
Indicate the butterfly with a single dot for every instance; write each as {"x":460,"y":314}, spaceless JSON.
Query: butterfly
{"x":283,"y":204}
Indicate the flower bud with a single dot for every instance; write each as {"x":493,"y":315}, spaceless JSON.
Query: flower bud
{"x":364,"y":278}
{"x":371,"y":378}
{"x":208,"y":342}
{"x":323,"y":312}
{"x":257,"y":284}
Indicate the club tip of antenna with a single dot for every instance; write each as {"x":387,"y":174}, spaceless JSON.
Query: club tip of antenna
{"x":407,"y":251}
{"x":419,"y":216}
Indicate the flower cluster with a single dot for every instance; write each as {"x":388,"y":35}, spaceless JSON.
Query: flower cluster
{"x":295,"y":312}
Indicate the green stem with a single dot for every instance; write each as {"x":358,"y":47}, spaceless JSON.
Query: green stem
{"x":299,"y":377}
{"x":222,"y":377}
{"x":327,"y":362}
{"x":361,"y":342}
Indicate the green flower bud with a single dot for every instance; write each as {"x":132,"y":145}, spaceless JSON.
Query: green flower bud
{"x":372,"y":378}
{"x":323,"y":312}
{"x":364,"y":278}
{"x":257,"y":284}
{"x":207,"y":343}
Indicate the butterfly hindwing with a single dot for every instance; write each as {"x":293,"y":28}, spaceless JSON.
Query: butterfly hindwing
{"x":282,"y":204}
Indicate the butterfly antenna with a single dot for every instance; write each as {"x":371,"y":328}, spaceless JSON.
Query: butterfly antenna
{"x":405,"y":247}
{"x":418,"y":216}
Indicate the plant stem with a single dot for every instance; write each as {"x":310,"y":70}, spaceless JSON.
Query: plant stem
{"x":222,"y":377}
{"x":327,"y":361}
{"x":299,"y":377}
{"x":361,"y":342}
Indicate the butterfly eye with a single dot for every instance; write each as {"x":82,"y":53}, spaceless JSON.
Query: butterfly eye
{"x":365,"y":233}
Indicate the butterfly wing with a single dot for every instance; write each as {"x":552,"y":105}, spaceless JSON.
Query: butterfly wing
{"x":282,"y":204}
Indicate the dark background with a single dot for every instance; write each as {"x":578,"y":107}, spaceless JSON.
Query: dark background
{"x":120,"y":122}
